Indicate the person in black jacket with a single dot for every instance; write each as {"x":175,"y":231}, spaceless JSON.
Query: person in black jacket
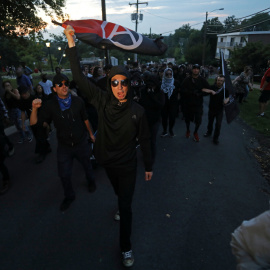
{"x":121,"y":121}
{"x":216,"y":105}
{"x":70,"y":120}
{"x":152,"y":99}
{"x":193,"y":89}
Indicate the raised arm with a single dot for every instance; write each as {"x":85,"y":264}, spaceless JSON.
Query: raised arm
{"x":87,"y":88}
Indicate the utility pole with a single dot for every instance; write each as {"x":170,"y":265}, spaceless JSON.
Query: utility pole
{"x":103,"y":6}
{"x":137,"y":16}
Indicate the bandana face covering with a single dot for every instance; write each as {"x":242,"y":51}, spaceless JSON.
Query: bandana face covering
{"x":167,"y":85}
{"x":64,"y":103}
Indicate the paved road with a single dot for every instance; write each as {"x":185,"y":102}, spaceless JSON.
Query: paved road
{"x":183,"y":218}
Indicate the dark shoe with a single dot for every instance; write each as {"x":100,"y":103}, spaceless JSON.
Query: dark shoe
{"x":117,"y":216}
{"x":207,"y":134}
{"x":164,"y":134}
{"x":171,"y":134}
{"x":40,"y":158}
{"x":196,"y":137}
{"x":215,"y":141}
{"x":187,"y":134}
{"x":128,"y":258}
{"x":5,"y":187}
{"x":66,"y":204}
{"x":92,"y":186}
{"x":11,"y":152}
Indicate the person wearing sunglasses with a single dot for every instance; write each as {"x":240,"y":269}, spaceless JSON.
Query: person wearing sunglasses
{"x":171,"y":88}
{"x":121,"y":122}
{"x":71,"y":123}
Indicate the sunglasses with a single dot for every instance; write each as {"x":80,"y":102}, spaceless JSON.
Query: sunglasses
{"x":169,"y":74}
{"x":116,"y":82}
{"x":61,"y":84}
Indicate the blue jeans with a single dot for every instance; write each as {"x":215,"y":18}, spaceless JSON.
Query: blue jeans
{"x":15,"y":117}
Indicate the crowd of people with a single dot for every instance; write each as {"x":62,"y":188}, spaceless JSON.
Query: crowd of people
{"x":118,"y":109}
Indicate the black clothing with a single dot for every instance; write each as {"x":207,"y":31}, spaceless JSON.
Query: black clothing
{"x":216,"y":110}
{"x":69,"y":124}
{"x":119,"y":123}
{"x":191,"y":90}
{"x":115,"y":147}
{"x":25,"y":105}
{"x":192,"y":100}
{"x":72,"y":139}
{"x":170,"y":108}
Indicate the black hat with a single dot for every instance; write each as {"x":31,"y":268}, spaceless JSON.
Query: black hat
{"x":196,"y":66}
{"x":58,"y":78}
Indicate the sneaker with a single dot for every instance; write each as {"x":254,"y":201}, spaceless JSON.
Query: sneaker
{"x":20,"y":141}
{"x":215,"y":141}
{"x":11,"y":152}
{"x":164,"y":134}
{"x":207,"y":134}
{"x":171,"y":134}
{"x":30,"y":139}
{"x":261,"y":114}
{"x":196,"y":137}
{"x":117,"y":216}
{"x":187,"y":134}
{"x":128,"y":258}
{"x":66,"y":204}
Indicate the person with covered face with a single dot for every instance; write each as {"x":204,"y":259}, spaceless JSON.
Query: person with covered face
{"x":121,"y":121}
{"x":171,"y":88}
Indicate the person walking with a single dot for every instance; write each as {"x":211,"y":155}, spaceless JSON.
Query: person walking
{"x":216,"y":106}
{"x":265,"y":91}
{"x":193,"y":89}
{"x":71,"y":123}
{"x":171,"y":89}
{"x":121,"y":121}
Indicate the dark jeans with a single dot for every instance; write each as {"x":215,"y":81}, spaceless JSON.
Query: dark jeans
{"x":65,"y":157}
{"x":123,"y":181}
{"x":195,"y":116}
{"x":212,"y":115}
{"x":169,"y":112}
{"x":3,"y":167}
{"x":42,"y":144}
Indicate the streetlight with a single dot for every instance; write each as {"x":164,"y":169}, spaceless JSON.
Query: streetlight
{"x":48,"y":45}
{"x":204,"y":33}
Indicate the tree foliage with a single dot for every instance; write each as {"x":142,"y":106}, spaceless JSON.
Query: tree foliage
{"x":21,"y":17}
{"x":253,"y":54}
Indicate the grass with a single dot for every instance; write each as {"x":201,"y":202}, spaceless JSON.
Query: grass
{"x":250,"y":110}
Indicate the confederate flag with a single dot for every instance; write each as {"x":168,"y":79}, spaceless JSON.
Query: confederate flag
{"x":107,"y":35}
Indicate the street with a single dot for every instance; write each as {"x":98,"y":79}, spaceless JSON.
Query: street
{"x":183,"y":218}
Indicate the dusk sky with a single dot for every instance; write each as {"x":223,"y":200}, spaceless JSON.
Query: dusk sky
{"x":163,"y":17}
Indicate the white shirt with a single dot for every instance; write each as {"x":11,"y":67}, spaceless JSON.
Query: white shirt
{"x":46,"y":86}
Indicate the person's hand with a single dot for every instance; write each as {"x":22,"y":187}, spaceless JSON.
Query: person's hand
{"x":36,"y":103}
{"x":148,"y":176}
{"x":70,"y":33}
{"x":213,"y":92}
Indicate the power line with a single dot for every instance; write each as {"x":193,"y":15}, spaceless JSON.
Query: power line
{"x":253,"y":14}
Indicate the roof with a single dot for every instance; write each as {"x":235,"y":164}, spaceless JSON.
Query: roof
{"x":245,"y":33}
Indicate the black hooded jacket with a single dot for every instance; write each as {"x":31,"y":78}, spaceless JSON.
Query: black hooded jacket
{"x":118,"y":123}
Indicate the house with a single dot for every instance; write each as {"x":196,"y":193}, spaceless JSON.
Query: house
{"x":229,"y":41}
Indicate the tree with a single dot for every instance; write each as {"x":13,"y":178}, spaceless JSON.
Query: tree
{"x":19,"y":18}
{"x":253,"y":54}
{"x":259,"y":22}
{"x":230,"y":23}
